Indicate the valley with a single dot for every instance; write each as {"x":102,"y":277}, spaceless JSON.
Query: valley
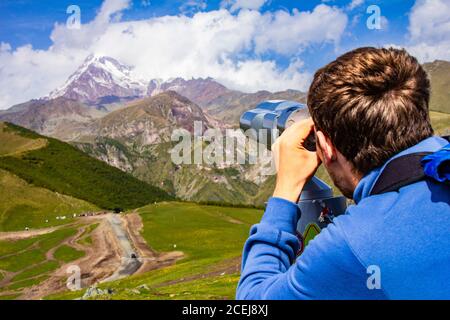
{"x":100,"y":246}
{"x":87,"y":179}
{"x":210,"y":239}
{"x":176,"y":245}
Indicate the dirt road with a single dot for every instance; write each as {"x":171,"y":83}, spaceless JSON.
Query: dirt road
{"x":117,"y":250}
{"x":129,"y":259}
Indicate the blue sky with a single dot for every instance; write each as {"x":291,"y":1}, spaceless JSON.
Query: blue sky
{"x":31,"y":22}
{"x":247,"y":45}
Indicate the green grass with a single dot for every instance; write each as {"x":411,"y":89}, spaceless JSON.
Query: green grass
{"x":28,"y":258}
{"x":13,"y":247}
{"x":201,"y":231}
{"x":86,"y":241}
{"x":209,"y":288}
{"x":32,"y":250}
{"x":440,"y":122}
{"x":211,"y":238}
{"x":15,"y":144}
{"x":439,"y":72}
{"x":62,"y":168}
{"x":85,"y":238}
{"x":45,"y":267}
{"x":26,"y":283}
{"x":22,"y":260}
{"x":9,"y":296}
{"x":219,"y":287}
{"x":67,"y":254}
{"x":24,"y":205}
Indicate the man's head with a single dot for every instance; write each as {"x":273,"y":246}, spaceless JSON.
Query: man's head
{"x":367,"y":106}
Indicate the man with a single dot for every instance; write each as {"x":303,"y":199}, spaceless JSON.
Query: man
{"x":368,"y":107}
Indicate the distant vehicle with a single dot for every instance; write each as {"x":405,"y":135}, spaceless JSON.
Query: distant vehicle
{"x":118,"y":210}
{"x":133,"y":256}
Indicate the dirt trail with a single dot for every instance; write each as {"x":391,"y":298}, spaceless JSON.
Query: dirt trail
{"x":101,"y":259}
{"x":20,"y":235}
{"x":149,"y":258}
{"x":108,"y":258}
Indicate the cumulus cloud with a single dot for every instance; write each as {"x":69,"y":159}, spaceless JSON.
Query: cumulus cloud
{"x":429,"y":30}
{"x":192,"y":6}
{"x":355,"y":4}
{"x":287,"y":33}
{"x":219,"y":44}
{"x":235,"y":5}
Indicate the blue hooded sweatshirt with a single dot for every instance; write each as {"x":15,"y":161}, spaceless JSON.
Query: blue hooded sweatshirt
{"x":394,"y":245}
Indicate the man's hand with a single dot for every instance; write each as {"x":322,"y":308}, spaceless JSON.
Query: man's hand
{"x":295,"y":165}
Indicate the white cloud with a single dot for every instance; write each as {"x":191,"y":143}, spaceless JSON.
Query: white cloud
{"x":215,"y":44}
{"x":384,"y":23}
{"x":287,"y":33}
{"x":235,"y":5}
{"x":192,"y":6}
{"x":429,"y":30}
{"x":355,"y":4}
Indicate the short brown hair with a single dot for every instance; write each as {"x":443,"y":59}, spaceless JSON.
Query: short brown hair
{"x":372,"y":103}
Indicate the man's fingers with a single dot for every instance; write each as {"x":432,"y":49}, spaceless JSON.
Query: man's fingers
{"x":297,"y":133}
{"x":302,"y":128}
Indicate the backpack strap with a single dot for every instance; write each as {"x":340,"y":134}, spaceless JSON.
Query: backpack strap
{"x":402,"y":171}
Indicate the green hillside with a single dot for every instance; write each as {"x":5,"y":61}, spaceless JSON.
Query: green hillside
{"x":23,"y":205}
{"x":211,"y":239}
{"x":153,"y":165}
{"x":440,"y":122}
{"x":439,"y":73}
{"x":62,"y":168}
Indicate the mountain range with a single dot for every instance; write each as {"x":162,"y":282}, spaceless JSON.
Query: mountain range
{"x":110,"y":112}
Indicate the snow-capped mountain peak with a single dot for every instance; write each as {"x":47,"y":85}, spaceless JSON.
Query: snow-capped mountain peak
{"x":101,"y":76}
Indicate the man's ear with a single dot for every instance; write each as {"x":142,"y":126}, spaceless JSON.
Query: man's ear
{"x":327,"y":149}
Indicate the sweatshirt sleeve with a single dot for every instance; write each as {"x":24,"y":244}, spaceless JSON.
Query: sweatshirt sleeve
{"x":327,"y":269}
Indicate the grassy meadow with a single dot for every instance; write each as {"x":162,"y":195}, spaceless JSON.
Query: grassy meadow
{"x":27,"y":263}
{"x":211,"y":239}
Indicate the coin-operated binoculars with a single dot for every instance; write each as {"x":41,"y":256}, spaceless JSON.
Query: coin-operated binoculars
{"x":318,"y":206}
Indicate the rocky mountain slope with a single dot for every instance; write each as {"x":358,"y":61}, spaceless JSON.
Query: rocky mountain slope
{"x":137,"y":139}
{"x":61,"y":117}
{"x":151,"y":120}
{"x":199,"y":91}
